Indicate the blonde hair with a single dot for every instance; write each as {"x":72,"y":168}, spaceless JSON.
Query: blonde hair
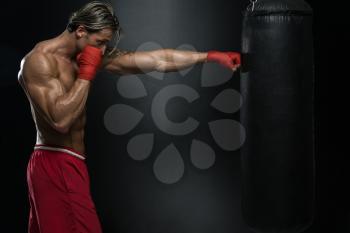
{"x":95,"y":16}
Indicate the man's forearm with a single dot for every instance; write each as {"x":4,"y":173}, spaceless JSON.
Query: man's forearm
{"x":70,"y":106}
{"x":173,"y":60}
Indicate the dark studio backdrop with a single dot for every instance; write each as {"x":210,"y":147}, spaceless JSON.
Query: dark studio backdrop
{"x":132,"y":190}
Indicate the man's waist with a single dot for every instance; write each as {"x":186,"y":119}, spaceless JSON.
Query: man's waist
{"x":59,"y":148}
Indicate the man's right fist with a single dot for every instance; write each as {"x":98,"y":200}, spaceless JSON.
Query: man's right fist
{"x":89,"y":61}
{"x":231,"y":60}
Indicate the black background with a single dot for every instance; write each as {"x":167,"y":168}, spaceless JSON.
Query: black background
{"x":25,"y":23}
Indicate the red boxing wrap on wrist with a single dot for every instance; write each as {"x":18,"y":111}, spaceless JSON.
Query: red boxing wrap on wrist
{"x":228,"y":59}
{"x":89,"y":61}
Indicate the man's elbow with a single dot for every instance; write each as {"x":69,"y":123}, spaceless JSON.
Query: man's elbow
{"x":166,"y":67}
{"x":161,"y":66}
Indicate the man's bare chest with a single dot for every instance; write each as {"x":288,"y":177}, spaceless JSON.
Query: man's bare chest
{"x":67,"y":73}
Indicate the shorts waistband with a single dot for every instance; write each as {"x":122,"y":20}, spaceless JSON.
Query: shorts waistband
{"x":64,"y":149}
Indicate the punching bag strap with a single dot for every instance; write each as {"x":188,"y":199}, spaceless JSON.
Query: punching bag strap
{"x":251,"y":6}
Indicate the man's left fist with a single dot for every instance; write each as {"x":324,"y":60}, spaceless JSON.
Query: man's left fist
{"x":231,"y":60}
{"x":89,"y":61}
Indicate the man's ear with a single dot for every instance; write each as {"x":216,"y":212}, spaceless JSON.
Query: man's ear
{"x":80,"y":32}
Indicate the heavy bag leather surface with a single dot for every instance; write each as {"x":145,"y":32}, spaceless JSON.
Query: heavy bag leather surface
{"x":277,"y":87}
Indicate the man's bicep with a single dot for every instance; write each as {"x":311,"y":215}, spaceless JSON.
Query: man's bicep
{"x":113,"y":60}
{"x":43,"y":96}
{"x":127,"y":62}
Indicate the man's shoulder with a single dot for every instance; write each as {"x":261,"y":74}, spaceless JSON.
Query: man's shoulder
{"x":40,"y":52}
{"x":39,"y":58}
{"x":38,"y":65}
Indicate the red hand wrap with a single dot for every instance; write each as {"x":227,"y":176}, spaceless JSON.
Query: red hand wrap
{"x":228,"y":59}
{"x":89,"y":61}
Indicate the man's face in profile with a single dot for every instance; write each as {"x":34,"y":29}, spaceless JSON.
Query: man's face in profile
{"x":98,"y":39}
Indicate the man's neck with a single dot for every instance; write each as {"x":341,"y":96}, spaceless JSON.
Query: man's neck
{"x":66,"y":45}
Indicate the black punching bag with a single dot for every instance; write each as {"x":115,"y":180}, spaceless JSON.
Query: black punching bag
{"x":277,"y":113}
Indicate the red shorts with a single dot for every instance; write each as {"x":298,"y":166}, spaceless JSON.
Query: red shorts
{"x":59,"y":192}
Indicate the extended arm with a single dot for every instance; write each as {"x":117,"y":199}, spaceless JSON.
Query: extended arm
{"x":164,"y":60}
